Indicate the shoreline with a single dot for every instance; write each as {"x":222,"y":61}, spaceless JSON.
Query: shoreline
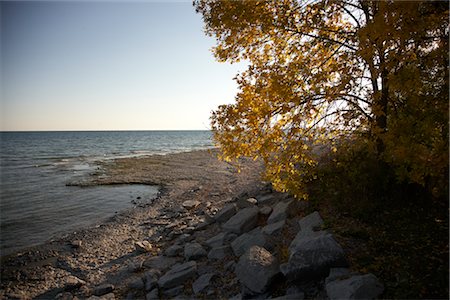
{"x":40,"y":271}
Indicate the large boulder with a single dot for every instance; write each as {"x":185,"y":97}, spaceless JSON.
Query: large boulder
{"x":356,"y":287}
{"x":193,"y":251}
{"x":160,"y":262}
{"x":245,"y":220}
{"x":274,"y":228}
{"x":311,"y":222}
{"x":202,"y":283}
{"x":178,"y":275}
{"x":247,"y":240}
{"x":256,"y":269}
{"x":312,"y":256}
{"x":217,"y":240}
{"x":225,"y":213}
{"x":219,"y":252}
{"x":267,"y":199}
{"x":281,"y":211}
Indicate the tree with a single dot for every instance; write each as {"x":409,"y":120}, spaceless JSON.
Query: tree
{"x":321,"y":70}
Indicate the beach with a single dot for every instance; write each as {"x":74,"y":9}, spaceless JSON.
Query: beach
{"x":106,"y":252}
{"x":215,"y":231}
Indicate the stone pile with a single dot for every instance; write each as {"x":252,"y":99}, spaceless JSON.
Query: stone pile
{"x":235,"y":252}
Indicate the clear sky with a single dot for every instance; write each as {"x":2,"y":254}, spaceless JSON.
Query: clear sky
{"x":108,"y":66}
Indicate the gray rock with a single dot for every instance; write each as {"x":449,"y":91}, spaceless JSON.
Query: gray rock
{"x":281,"y":211}
{"x":178,"y":275}
{"x":151,"y":280}
{"x":103,"y":289}
{"x":268,"y":199}
{"x":109,"y":296}
{"x":173,"y":250}
{"x":229,"y":266}
{"x":245,"y":220}
{"x":217,"y":240}
{"x":202,"y":225}
{"x":248,"y":202}
{"x":225,"y":213}
{"x":312,"y":257}
{"x":303,"y":235}
{"x":356,"y":287}
{"x":152,"y":295}
{"x":194,"y":251}
{"x":173,"y":292}
{"x":218,"y":253}
{"x":256,"y":269}
{"x":160,"y":262}
{"x":136,"y":284}
{"x":247,"y":240}
{"x":297,"y":296}
{"x":189,"y":204}
{"x":202,"y":282}
{"x":185,"y":237}
{"x":311,"y":222}
{"x":143,"y":246}
{"x":274,"y":228}
{"x":265,"y":210}
{"x":337,"y":273}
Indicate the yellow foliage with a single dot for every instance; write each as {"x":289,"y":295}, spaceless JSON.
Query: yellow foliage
{"x":320,"y":70}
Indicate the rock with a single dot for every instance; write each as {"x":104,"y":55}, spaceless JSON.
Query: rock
{"x":311,"y":222}
{"x":60,"y":296}
{"x":268,"y":199}
{"x":225,"y":213}
{"x":152,"y":295}
{"x":185,"y":237}
{"x":160,"y":262}
{"x":229,"y":266}
{"x":202,"y":282}
{"x":76,"y":244}
{"x":202,"y":225}
{"x":243,"y":221}
{"x":143,"y":246}
{"x":173,"y":292}
{"x":109,"y":296}
{"x":189,"y":204}
{"x":337,"y":273}
{"x":356,"y":287}
{"x":136,"y":284}
{"x":219,"y":252}
{"x":248,"y":202}
{"x":297,"y":296}
{"x":247,"y":240}
{"x":265,"y":210}
{"x":274,"y":228}
{"x":173,"y":250}
{"x":256,"y":269}
{"x":178,"y":275}
{"x":193,"y":251}
{"x":103,"y":289}
{"x":151,"y":280}
{"x":73,"y":282}
{"x":220,"y":239}
{"x":312,"y":257}
{"x":280,"y":211}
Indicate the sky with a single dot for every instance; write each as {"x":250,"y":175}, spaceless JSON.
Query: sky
{"x":118,"y":65}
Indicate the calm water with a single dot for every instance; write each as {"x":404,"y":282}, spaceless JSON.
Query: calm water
{"x":36,"y":205}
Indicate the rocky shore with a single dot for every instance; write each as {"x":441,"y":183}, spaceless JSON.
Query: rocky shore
{"x":213,"y":233}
